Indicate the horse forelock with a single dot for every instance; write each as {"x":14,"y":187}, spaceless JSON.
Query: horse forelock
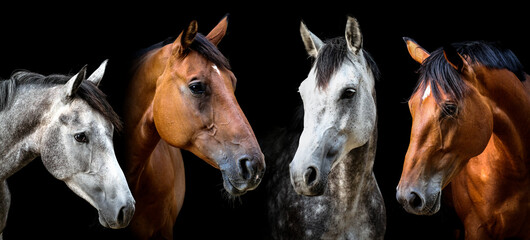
{"x":209,"y":51}
{"x":200,"y":45}
{"x":436,"y":72}
{"x":331,"y":57}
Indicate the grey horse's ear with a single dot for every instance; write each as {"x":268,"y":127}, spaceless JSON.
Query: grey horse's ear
{"x":97,"y":75}
{"x":353,"y":36}
{"x":311,"y":41}
{"x":73,"y":84}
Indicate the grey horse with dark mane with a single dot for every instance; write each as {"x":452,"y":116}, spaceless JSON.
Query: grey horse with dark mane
{"x":333,"y":157}
{"x":68,"y":123}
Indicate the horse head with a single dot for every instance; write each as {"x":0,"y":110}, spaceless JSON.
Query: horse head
{"x":339,"y":107}
{"x":77,"y":148}
{"x":451,"y":123}
{"x":195,"y":109}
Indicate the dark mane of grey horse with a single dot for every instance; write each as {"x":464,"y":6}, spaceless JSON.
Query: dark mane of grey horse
{"x":332,"y":55}
{"x":436,"y":71}
{"x":89,"y":92}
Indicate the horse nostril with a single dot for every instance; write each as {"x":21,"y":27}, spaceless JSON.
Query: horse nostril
{"x":310,"y":175}
{"x":121,"y":216}
{"x":245,"y":167}
{"x":415,"y":200}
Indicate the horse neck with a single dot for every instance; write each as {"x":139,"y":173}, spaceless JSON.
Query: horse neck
{"x":354,"y":172}
{"x":21,"y":127}
{"x":142,"y":87}
{"x":141,"y":135}
{"x":510,"y":104}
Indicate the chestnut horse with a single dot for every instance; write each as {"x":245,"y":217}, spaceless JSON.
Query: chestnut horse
{"x":470,"y":135}
{"x":181,"y":96}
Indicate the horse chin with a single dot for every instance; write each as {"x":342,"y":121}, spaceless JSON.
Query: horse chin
{"x":115,"y":223}
{"x":103,"y":222}
{"x":106,"y":224}
{"x":230,"y":188}
{"x":434,"y":207}
{"x":313,"y":190}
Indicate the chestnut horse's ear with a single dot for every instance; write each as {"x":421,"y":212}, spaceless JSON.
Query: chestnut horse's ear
{"x":218,"y":32}
{"x":189,"y":35}
{"x":416,"y":51}
{"x":186,"y":37}
{"x":311,"y":42}
{"x":454,"y":58}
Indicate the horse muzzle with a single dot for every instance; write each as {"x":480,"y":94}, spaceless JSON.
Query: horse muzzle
{"x":309,"y":181}
{"x":118,"y":216}
{"x":419,"y":202}
{"x":243,"y":176}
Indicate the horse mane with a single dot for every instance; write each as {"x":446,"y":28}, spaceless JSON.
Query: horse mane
{"x":332,"y":55}
{"x":88,"y":92}
{"x":436,"y":71}
{"x":200,"y":44}
{"x":208,"y":50}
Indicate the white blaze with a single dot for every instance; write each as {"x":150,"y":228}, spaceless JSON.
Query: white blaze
{"x":216,"y":69}
{"x":426,"y":93}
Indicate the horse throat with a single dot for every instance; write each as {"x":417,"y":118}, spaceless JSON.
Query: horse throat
{"x":353,"y":174}
{"x":356,"y":195}
{"x":510,"y":103}
{"x":141,"y":136}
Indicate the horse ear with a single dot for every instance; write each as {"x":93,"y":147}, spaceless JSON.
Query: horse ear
{"x":186,"y":37}
{"x":97,"y":75}
{"x":416,"y":51}
{"x":454,"y":58}
{"x":73,"y":84}
{"x":311,"y":42}
{"x":218,"y":32}
{"x":354,"y":38}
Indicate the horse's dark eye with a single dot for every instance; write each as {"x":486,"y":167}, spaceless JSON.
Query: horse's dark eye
{"x":197,"y":87}
{"x":449,"y":109}
{"x":348,"y":93}
{"x":81,"y":137}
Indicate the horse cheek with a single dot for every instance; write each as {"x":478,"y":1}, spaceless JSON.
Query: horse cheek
{"x":169,"y":113}
{"x":53,"y":153}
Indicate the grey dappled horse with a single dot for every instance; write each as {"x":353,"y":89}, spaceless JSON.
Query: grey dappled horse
{"x":68,"y":123}
{"x":338,"y":196}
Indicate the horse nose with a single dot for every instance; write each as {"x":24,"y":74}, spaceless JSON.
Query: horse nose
{"x":125,"y":214}
{"x":413,"y":200}
{"x":250,"y":169}
{"x":310,"y":183}
{"x":245,"y":168}
{"x":310,"y":176}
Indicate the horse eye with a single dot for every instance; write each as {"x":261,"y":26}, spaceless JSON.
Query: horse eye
{"x":197,"y":87}
{"x":348,"y":93}
{"x":81,"y":137}
{"x":449,"y":109}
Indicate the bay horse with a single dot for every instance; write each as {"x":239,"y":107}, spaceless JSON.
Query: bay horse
{"x":181,"y":96}
{"x":336,"y":194}
{"x":470,"y":137}
{"x":68,"y":123}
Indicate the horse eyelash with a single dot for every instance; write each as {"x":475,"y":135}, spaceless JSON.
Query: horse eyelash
{"x":446,"y":114}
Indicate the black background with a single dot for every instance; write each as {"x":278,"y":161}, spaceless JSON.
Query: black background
{"x":267,"y":56}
